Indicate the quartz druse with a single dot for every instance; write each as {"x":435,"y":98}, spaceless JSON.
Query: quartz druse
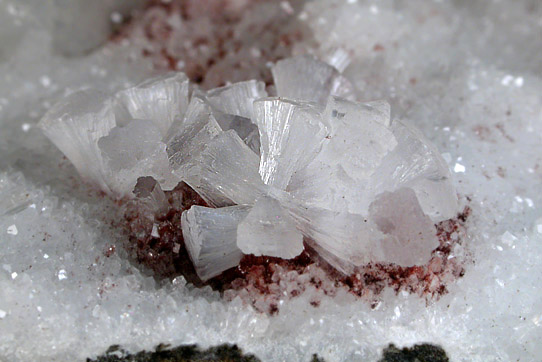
{"x":349,"y":179}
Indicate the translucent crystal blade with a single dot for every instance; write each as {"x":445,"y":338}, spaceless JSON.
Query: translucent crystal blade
{"x":252,"y":140}
{"x":395,"y":231}
{"x":269,"y":230}
{"x":187,"y":137}
{"x":149,"y":194}
{"x":244,"y":127}
{"x":417,"y":164}
{"x":291,"y":134}
{"x":133,"y":151}
{"x":409,"y":234}
{"x":210,"y":236}
{"x":338,"y":58}
{"x":74,"y":125}
{"x":379,"y":111}
{"x":359,"y":137}
{"x":344,"y":240}
{"x":343,"y":88}
{"x":308,"y":79}
{"x":358,"y":143}
{"x":236,"y":99}
{"x":226,"y":172}
{"x":161,"y":100}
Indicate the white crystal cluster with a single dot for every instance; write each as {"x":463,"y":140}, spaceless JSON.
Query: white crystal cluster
{"x":304,"y":163}
{"x":467,"y":73}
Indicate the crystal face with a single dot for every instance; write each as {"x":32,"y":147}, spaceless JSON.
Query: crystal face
{"x":291,"y":134}
{"x":132,"y":151}
{"x":269,"y":230}
{"x":80,"y":271}
{"x":306,"y":165}
{"x":160,"y":100}
{"x":305,"y":78}
{"x":211,"y":238}
{"x":237,"y":99}
{"x":75,"y":125}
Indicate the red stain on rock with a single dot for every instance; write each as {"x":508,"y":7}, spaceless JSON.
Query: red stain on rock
{"x":265,"y":281}
{"x":205,"y":39}
{"x":164,"y":254}
{"x":215,"y":41}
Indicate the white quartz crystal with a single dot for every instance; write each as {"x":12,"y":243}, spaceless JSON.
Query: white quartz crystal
{"x":161,"y":100}
{"x":268,"y":229}
{"x":14,"y":196}
{"x":210,"y":236}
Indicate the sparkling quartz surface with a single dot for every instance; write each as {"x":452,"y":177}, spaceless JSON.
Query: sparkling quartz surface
{"x":470,"y":86}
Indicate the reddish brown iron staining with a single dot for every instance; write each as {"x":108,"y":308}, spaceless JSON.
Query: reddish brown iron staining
{"x":273,"y":277}
{"x":483,"y":133}
{"x":215,"y":41}
{"x":378,"y":48}
{"x":163,"y":251}
{"x":264,"y":281}
{"x":503,"y":132}
{"x":259,"y":271}
{"x":110,"y":251}
{"x":428,"y":280}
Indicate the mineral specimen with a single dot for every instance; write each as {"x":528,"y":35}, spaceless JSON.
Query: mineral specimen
{"x":361,"y":187}
{"x":466,"y":73}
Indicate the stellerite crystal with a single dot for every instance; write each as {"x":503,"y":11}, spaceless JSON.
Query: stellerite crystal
{"x":188,"y":136}
{"x":409,"y":236}
{"x":75,"y":125}
{"x":232,"y":107}
{"x":306,"y":78}
{"x":417,"y":164}
{"x":358,"y":186}
{"x":210,"y":236}
{"x":226,"y":172}
{"x":358,"y":142}
{"x":291,"y":134}
{"x":268,"y":229}
{"x":160,"y":100}
{"x":236,"y":99}
{"x":132,"y":151}
{"x":423,"y":190}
